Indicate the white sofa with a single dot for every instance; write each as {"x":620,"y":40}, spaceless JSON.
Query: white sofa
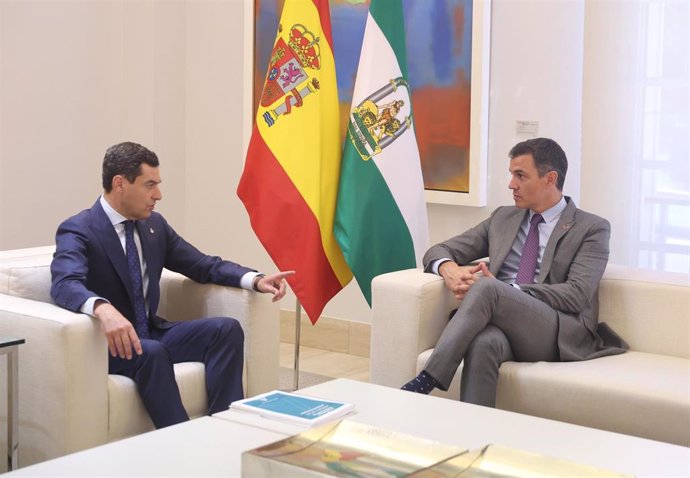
{"x":67,"y":400}
{"x":644,"y":392}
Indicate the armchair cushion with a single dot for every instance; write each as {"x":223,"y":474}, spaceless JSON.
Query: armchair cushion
{"x":30,"y":282}
{"x":126,"y":413}
{"x":27,"y":275}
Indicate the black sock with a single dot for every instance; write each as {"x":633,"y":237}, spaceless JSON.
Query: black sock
{"x":422,"y":383}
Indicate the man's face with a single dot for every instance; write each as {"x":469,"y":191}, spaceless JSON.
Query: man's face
{"x":529,"y":190}
{"x":138,"y":199}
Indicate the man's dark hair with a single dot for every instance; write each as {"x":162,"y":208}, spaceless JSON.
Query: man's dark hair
{"x":125,"y":159}
{"x":548,"y":156}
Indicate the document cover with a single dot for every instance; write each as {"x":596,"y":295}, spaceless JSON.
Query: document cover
{"x":293,"y":408}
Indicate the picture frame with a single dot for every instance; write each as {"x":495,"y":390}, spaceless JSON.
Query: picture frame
{"x":452,"y":135}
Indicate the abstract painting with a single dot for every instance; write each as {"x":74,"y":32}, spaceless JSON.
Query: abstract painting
{"x":447,"y":57}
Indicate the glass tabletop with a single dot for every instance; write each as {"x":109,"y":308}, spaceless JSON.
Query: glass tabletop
{"x":8,"y":341}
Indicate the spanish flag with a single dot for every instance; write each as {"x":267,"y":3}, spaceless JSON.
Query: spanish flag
{"x":290,"y":181}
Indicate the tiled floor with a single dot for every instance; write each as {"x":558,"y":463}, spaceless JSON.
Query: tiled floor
{"x":323,"y":362}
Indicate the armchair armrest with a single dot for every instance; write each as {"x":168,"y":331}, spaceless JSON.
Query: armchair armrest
{"x":63,"y":373}
{"x":184,"y":299}
{"x":409,"y":311}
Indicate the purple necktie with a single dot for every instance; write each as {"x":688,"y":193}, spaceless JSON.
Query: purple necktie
{"x":141,"y":323}
{"x":530,"y":253}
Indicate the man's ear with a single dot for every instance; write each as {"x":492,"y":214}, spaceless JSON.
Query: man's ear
{"x":552,"y":177}
{"x":118,"y":182}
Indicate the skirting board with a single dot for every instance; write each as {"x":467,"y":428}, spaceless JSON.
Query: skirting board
{"x":334,"y":335}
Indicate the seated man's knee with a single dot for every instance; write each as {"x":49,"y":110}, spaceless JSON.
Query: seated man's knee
{"x":230,"y":328}
{"x":153,"y":350}
{"x":490,"y":342}
{"x":485,"y":285}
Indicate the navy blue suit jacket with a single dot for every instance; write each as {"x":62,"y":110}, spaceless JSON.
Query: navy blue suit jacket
{"x":89,"y":261}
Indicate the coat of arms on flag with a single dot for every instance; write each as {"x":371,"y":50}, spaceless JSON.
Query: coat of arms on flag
{"x":288,"y":80}
{"x":374,"y":122}
{"x":380,"y":221}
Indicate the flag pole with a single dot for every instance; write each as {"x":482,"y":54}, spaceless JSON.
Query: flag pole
{"x":298,"y":320}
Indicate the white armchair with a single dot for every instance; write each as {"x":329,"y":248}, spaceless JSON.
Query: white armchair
{"x":644,"y":392}
{"x":67,"y":400}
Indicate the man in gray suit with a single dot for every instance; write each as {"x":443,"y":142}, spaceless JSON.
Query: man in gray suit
{"x":536,"y":300}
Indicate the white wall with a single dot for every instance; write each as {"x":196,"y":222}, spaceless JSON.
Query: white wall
{"x":215,"y":120}
{"x":77,"y":76}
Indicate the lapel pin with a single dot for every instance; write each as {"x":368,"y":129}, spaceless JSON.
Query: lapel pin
{"x":151,"y":230}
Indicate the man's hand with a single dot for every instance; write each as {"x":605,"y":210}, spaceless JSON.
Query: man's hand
{"x":274,"y":284}
{"x":458,"y":279}
{"x":482,"y":269}
{"x":118,"y":331}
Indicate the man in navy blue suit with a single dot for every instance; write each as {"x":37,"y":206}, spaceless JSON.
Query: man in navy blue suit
{"x":108,"y":263}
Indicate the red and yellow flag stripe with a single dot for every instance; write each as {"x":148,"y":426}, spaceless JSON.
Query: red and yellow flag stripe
{"x":290,"y":182}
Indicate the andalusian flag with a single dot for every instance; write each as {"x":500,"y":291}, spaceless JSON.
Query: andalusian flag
{"x":290,"y":179}
{"x":381,"y":221}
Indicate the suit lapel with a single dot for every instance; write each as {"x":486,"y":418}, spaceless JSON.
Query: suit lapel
{"x":105,"y":232}
{"x":509,"y":231}
{"x":565,"y":223}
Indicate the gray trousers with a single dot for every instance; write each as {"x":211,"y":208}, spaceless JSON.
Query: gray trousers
{"x":494,"y":323}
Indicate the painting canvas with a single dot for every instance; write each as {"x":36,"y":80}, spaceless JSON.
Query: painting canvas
{"x":444,"y":41}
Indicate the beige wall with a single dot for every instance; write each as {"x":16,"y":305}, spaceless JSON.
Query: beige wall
{"x":76,"y":77}
{"x":79,"y":75}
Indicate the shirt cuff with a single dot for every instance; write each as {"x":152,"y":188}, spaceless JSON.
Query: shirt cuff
{"x":435,"y":265}
{"x":247,"y":280}
{"x":89,"y":304}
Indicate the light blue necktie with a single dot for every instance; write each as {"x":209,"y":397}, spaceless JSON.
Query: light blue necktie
{"x":141,"y":323}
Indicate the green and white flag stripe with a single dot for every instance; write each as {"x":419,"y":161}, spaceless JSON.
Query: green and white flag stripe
{"x":381,"y":221}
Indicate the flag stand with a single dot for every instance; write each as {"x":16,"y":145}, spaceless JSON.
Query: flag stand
{"x":295,"y":369}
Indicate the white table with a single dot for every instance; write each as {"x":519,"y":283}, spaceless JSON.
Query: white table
{"x":212,"y":446}
{"x":472,"y":426}
{"x":205,"y":446}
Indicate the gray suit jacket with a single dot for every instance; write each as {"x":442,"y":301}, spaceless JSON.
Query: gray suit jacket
{"x":572,"y":265}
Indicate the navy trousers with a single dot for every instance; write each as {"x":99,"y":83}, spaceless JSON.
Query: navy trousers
{"x":217,"y":342}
